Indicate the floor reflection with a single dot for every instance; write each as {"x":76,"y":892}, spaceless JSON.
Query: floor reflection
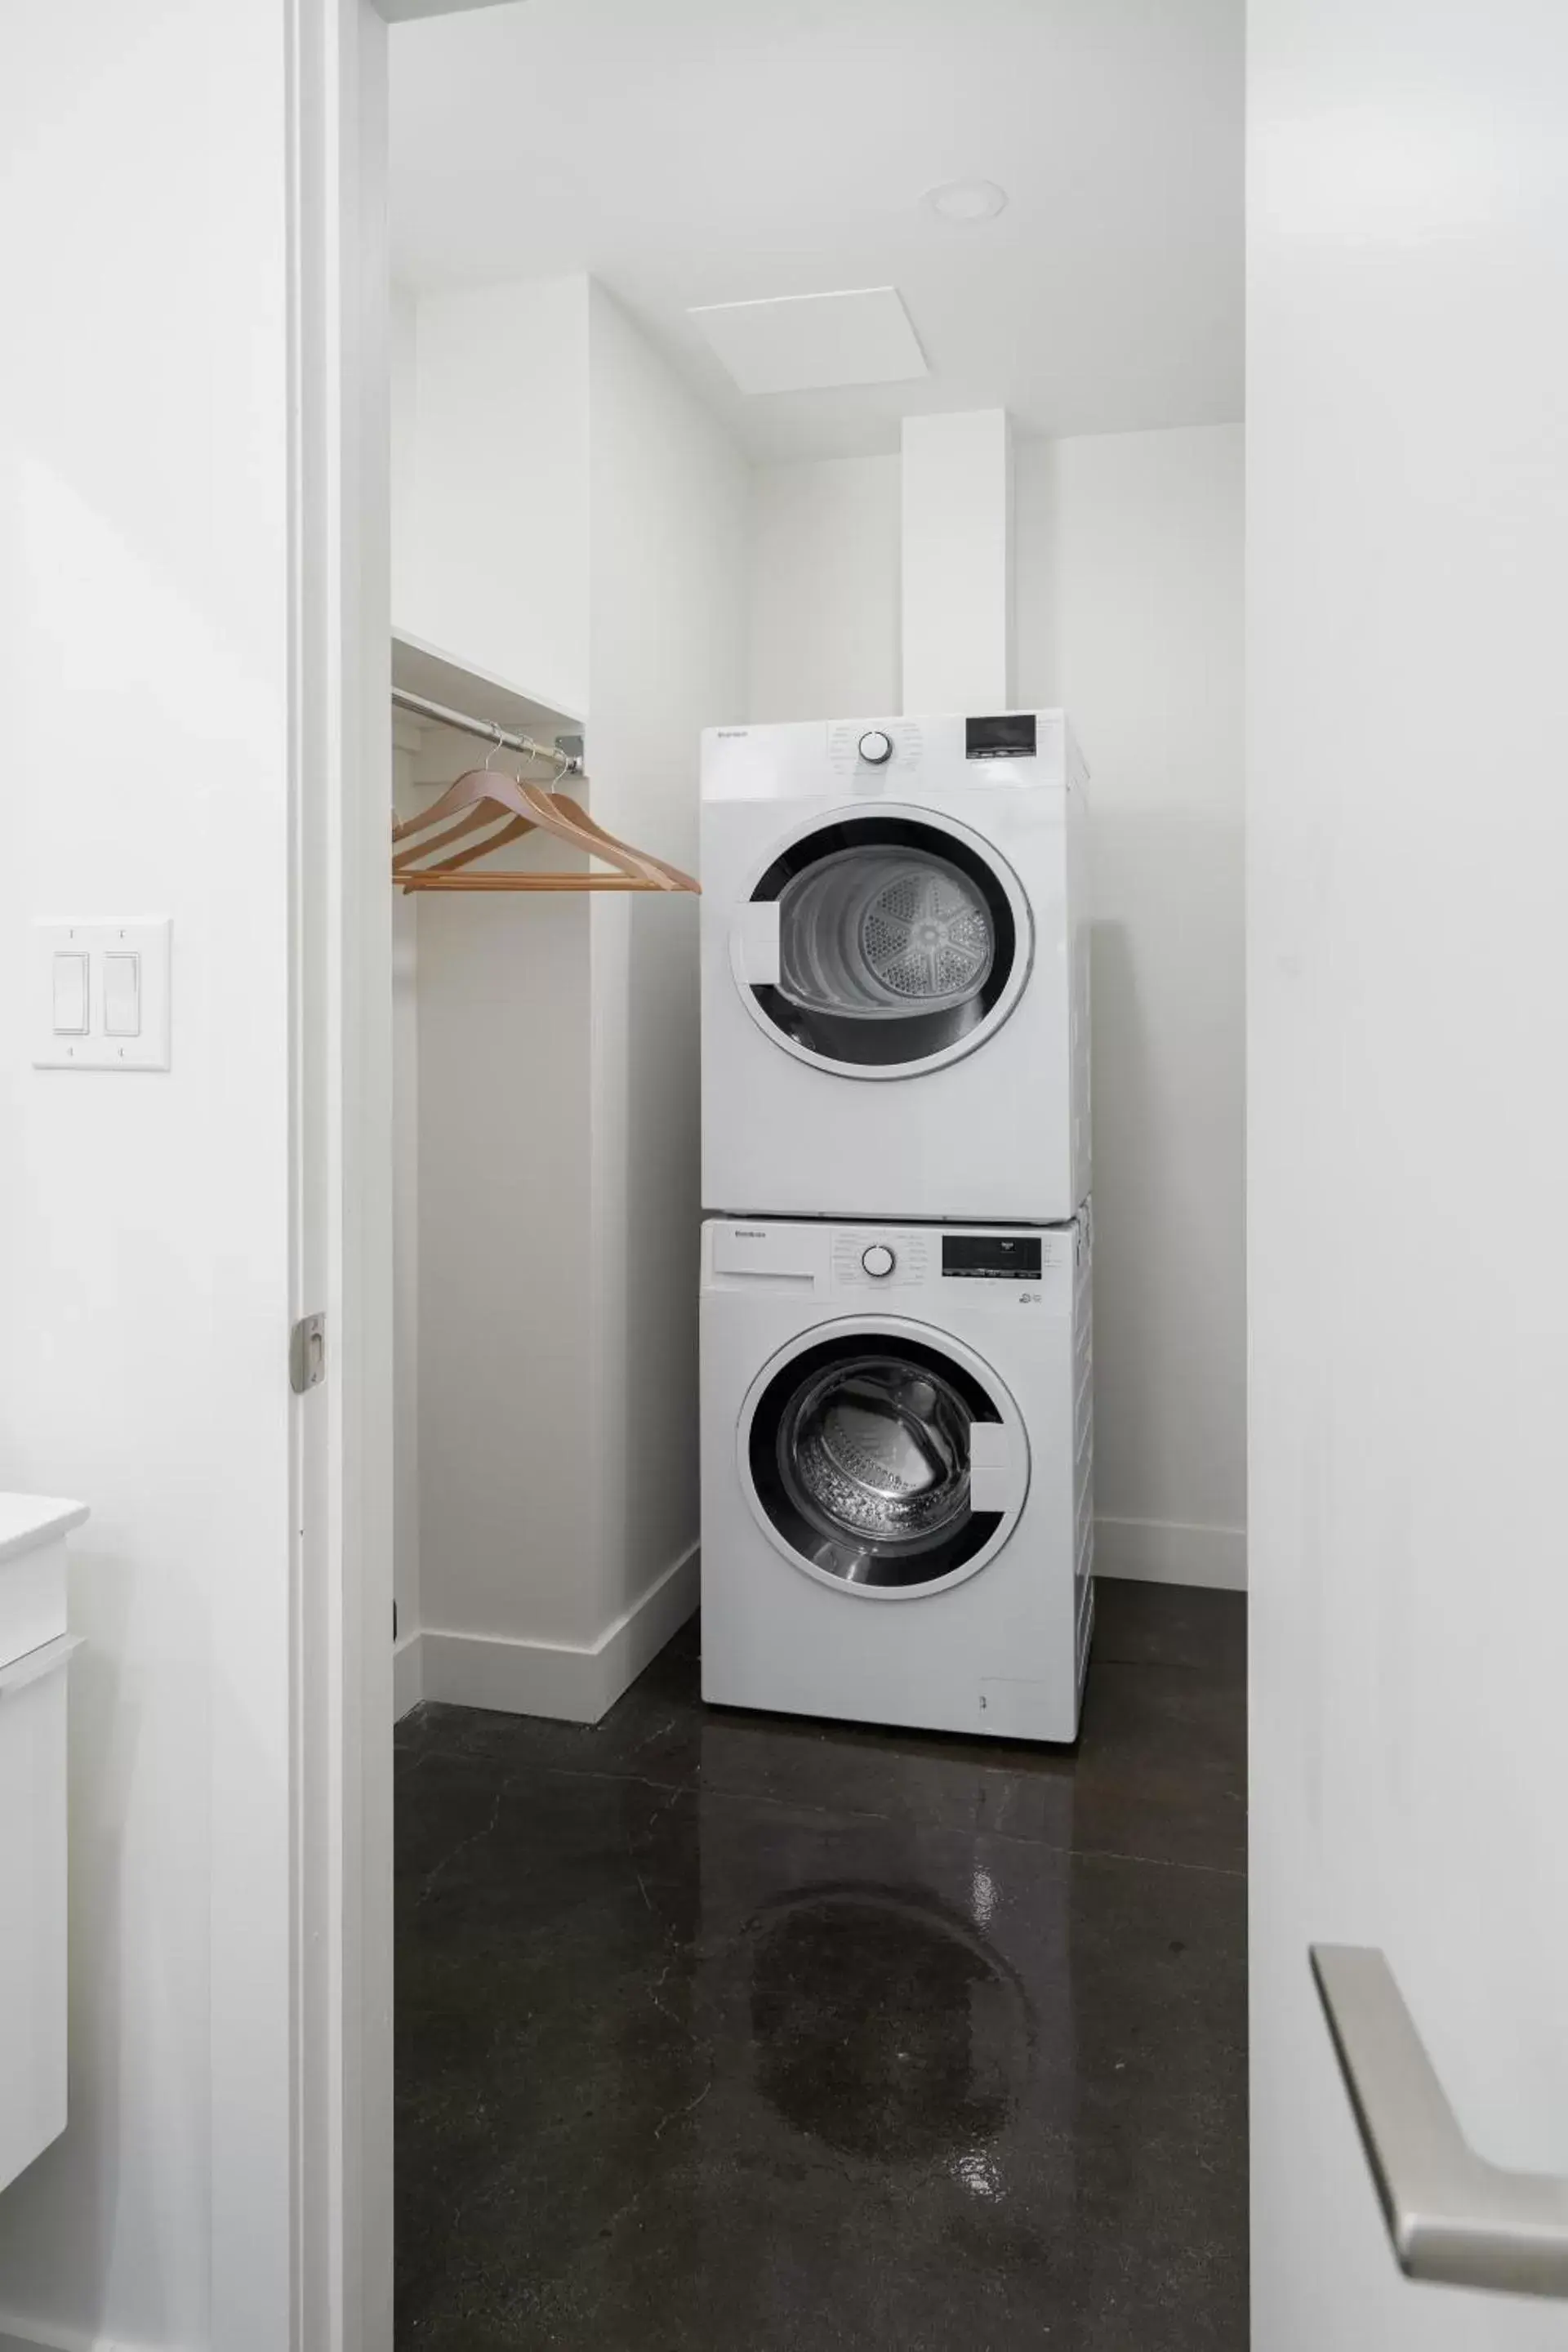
{"x":883,"y":2024}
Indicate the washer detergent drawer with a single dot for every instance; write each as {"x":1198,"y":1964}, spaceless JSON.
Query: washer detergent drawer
{"x":772,"y":1253}
{"x":33,"y":1835}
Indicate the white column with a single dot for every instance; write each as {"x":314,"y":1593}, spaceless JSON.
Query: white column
{"x":958,"y":562}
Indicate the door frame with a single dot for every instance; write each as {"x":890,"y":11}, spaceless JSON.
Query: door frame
{"x":341,"y":2232}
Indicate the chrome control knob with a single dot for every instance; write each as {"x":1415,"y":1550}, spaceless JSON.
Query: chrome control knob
{"x":878,"y":1260}
{"x":876,"y":748}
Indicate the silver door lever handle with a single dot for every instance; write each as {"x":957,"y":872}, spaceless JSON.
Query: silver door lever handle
{"x":1454,"y":2217}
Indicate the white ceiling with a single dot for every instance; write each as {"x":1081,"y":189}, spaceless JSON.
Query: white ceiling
{"x":696,"y":152}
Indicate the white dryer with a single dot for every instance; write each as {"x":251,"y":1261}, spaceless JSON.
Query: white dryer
{"x":895,"y":969}
{"x":898,"y":1473}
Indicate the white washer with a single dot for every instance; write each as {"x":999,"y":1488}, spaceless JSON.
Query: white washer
{"x":898,"y":1521}
{"x":895,"y":969}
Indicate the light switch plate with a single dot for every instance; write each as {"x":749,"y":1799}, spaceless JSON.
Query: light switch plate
{"x":148,"y":940}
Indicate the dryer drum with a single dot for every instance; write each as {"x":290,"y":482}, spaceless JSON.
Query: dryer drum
{"x":899,"y":943}
{"x":877,"y":933}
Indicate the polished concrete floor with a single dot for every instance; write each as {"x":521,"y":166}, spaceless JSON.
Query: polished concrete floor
{"x":729,"y":2031}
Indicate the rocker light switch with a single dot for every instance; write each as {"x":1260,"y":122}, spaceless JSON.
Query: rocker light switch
{"x":70,"y":994}
{"x":122,"y":994}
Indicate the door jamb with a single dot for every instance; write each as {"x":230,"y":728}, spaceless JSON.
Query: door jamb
{"x":341,"y":2218}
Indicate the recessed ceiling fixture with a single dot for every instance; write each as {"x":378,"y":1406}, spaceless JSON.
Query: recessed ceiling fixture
{"x":813,"y":343}
{"x":966,"y":200}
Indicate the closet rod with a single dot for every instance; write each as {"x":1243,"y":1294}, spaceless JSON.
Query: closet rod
{"x":503,"y":738}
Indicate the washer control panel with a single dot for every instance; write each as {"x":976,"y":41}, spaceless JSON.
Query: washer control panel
{"x":870,"y":1260}
{"x":992,"y":1257}
{"x":912,"y":1270}
{"x":992,"y":1265}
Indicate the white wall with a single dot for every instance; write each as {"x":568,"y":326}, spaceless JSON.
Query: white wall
{"x":508,"y":1447}
{"x":403,"y":427}
{"x":145,"y":1220}
{"x":824,"y":603}
{"x":1129,"y":611}
{"x":407,"y":741}
{"x":491,"y":559}
{"x":666,"y":589}
{"x":494,"y":1045}
{"x":956,"y":535}
{"x":1128,"y":584}
{"x":557,"y":1176}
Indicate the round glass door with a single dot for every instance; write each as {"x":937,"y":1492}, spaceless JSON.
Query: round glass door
{"x":858,"y":1451}
{"x":901,"y":942}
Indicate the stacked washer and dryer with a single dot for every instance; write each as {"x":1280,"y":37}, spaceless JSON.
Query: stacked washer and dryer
{"x":897,"y":1395}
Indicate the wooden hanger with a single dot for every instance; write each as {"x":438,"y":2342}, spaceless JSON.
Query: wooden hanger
{"x":677,"y":879}
{"x":481,"y":796}
{"x":482,"y":813}
{"x":474,"y":786}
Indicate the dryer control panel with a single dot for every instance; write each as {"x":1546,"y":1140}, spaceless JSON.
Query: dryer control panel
{"x":1010,"y":735}
{"x":903,"y":756}
{"x":874,"y":748}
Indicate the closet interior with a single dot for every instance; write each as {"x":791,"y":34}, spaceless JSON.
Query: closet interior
{"x":716,"y":441}
{"x":622,"y":516}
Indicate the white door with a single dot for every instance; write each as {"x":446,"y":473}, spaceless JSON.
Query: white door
{"x":1407,"y":436}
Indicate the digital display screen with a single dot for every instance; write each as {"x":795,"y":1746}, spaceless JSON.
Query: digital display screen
{"x":1010,"y":737}
{"x":991,"y":1258}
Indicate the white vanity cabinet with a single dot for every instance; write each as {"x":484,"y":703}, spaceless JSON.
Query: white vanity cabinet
{"x":34,"y":1649}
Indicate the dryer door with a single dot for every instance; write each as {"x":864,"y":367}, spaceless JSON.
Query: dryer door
{"x":882,"y":942}
{"x":883,"y":1458}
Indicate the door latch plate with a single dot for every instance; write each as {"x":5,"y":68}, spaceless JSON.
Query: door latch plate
{"x":308,"y":1354}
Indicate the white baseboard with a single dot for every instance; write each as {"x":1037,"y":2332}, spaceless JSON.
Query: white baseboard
{"x":1163,"y":1551}
{"x":407,"y":1684}
{"x":575,"y":1685}
{"x":39,"y":2335}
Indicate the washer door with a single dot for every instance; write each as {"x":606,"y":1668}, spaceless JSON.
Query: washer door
{"x":883,"y":1458}
{"x":882,"y":942}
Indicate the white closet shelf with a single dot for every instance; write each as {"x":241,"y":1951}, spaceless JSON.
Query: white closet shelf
{"x":420,"y":667}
